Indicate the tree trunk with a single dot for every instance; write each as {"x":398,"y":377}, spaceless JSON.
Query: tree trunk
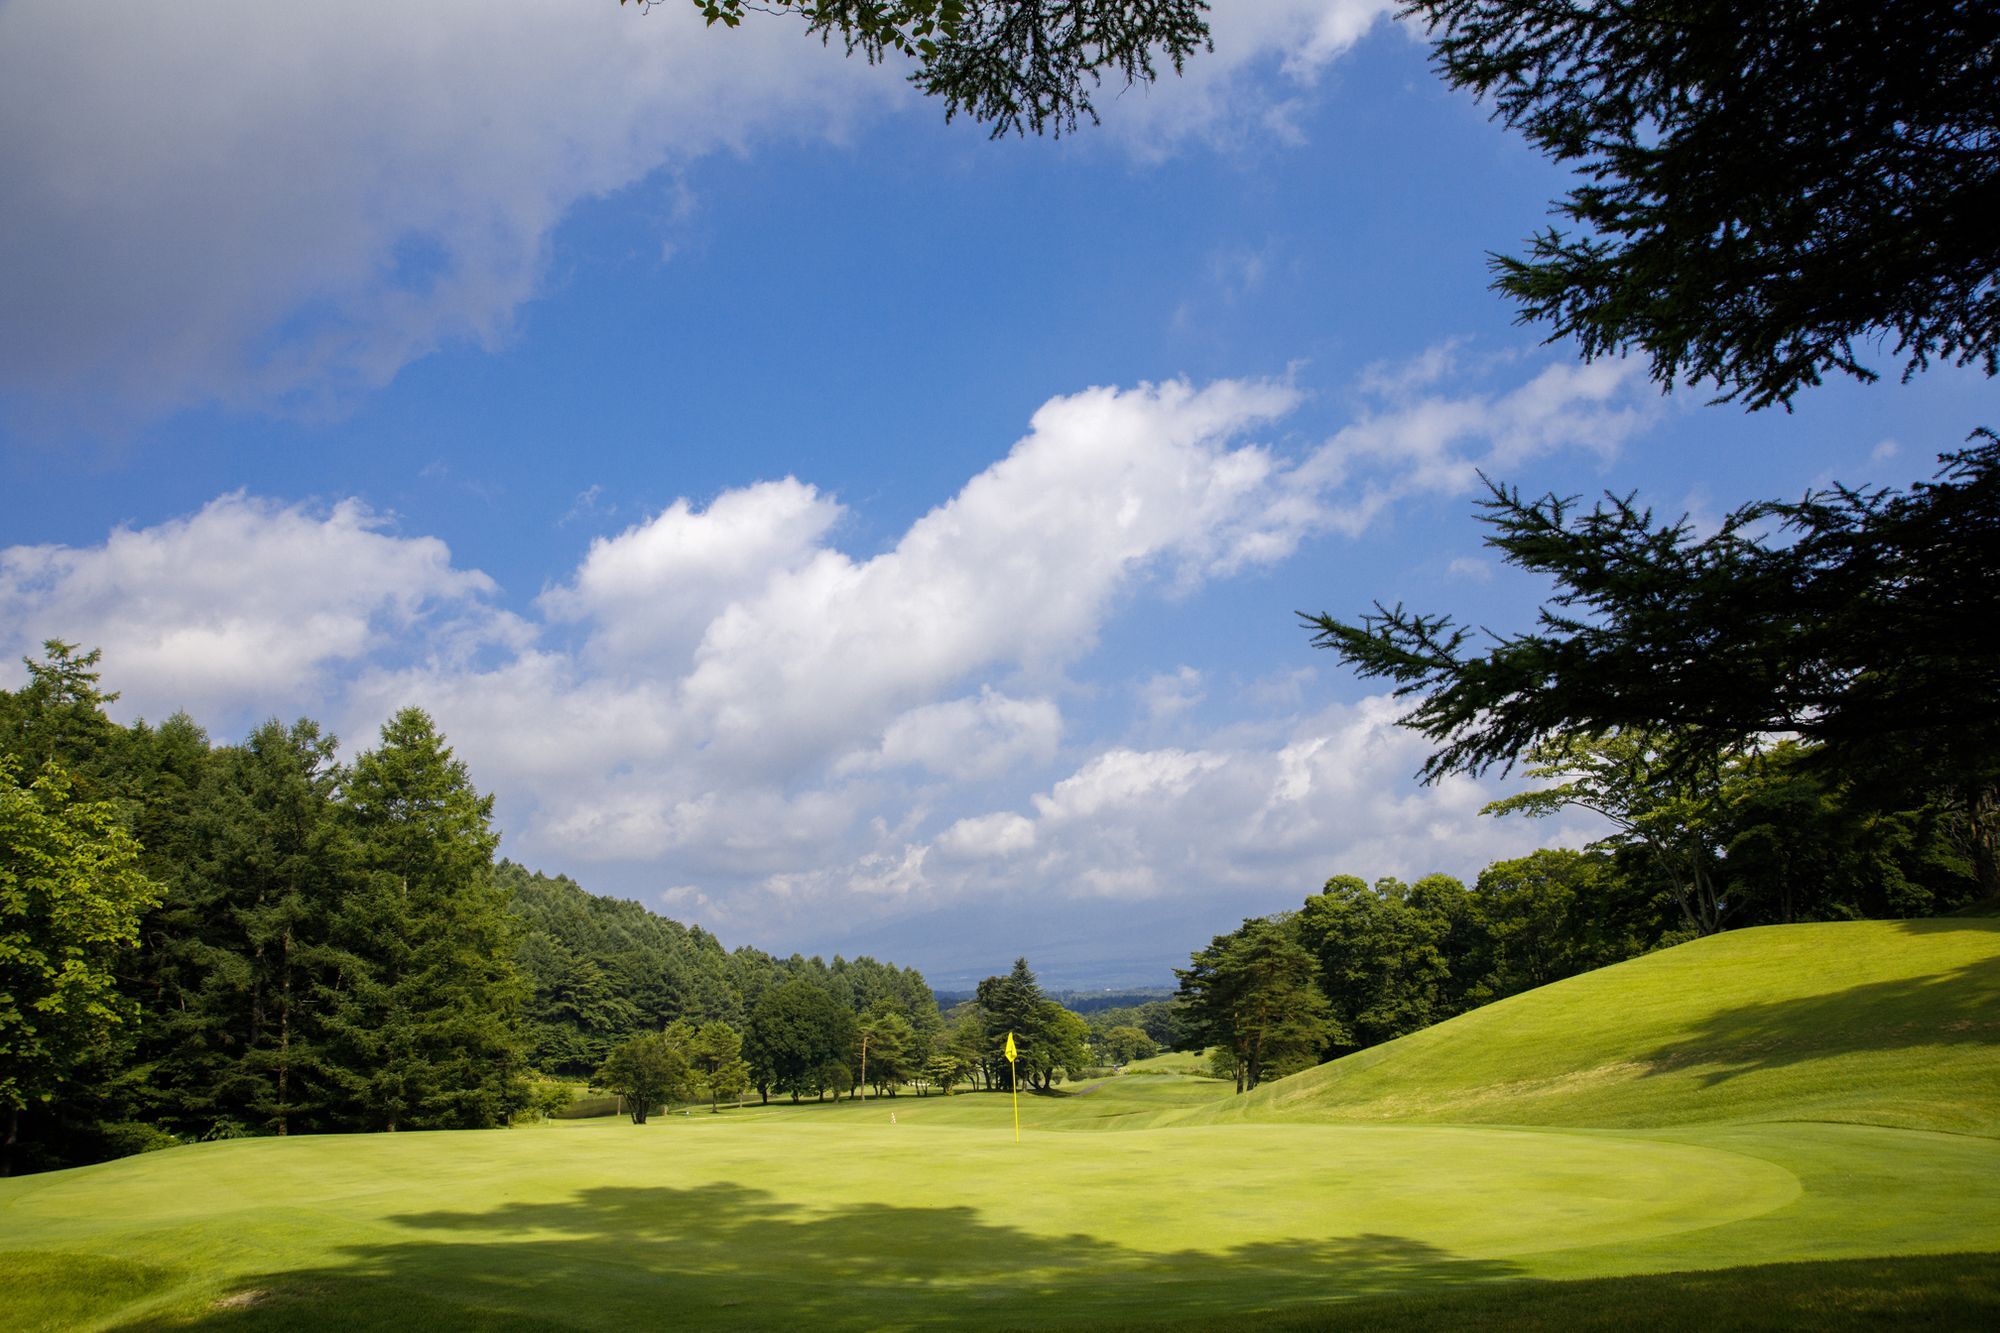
{"x":285,"y":1043}
{"x":13,"y":1137}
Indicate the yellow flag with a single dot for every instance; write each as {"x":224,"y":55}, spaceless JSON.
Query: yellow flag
{"x":1010,"y":1046}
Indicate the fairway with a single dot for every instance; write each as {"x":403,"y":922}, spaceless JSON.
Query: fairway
{"x":1139,"y":1200}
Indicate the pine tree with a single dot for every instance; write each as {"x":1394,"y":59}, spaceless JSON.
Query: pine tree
{"x":423,"y":1009}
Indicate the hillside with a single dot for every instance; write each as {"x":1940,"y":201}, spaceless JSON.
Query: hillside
{"x":1869,"y":1022}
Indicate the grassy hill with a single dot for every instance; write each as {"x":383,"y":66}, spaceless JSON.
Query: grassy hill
{"x":1865,"y":1022}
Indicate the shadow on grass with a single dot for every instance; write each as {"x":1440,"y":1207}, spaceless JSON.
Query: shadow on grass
{"x":1951,"y":1291}
{"x":725,"y":1254}
{"x":1959,"y":1007}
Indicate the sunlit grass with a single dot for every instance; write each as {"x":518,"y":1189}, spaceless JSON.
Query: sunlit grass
{"x":1758,"y":1186}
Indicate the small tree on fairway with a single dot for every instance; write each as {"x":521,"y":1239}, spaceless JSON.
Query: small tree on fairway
{"x":646,"y":1071}
{"x":716,"y":1052}
{"x":943,"y":1071}
{"x":1252,"y":994}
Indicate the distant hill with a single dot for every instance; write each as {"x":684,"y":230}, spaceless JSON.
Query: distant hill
{"x":1084,"y":1001}
{"x":1877,"y":1022}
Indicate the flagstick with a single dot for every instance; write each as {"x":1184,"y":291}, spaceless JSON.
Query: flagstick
{"x":1014,"y":1084}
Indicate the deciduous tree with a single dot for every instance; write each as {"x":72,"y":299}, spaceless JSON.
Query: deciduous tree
{"x":71,"y":896}
{"x":648,"y":1072}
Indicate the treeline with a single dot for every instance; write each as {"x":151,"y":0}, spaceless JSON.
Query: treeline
{"x":833,"y":1031}
{"x":204,"y":941}
{"x":1773,"y":839}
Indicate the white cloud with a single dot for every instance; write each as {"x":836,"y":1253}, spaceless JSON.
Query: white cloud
{"x":253,"y":202}
{"x":654,"y":588}
{"x":1170,"y":694}
{"x":1405,"y":442}
{"x":965,"y":739}
{"x":983,"y":837}
{"x":1269,"y":56}
{"x":247,"y":603}
{"x":1472,"y":568}
{"x":1228,"y":828}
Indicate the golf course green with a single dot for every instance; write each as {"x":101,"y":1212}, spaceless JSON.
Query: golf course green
{"x":1777,"y":1127}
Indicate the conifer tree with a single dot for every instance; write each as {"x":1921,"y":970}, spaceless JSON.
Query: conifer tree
{"x":424,"y":1006}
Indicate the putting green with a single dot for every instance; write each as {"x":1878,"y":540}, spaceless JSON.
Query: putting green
{"x":717,"y":1212}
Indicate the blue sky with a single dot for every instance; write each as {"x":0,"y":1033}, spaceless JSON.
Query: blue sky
{"x":812,"y":519}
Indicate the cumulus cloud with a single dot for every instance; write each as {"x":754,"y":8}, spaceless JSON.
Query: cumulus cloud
{"x":1170,"y":694}
{"x":1411,"y":438}
{"x":964,"y":739}
{"x":248,"y":602}
{"x":655,"y":587}
{"x":1236,"y":828}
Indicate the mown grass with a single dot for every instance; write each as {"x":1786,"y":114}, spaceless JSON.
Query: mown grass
{"x":1795,"y":1173}
{"x":1872,"y":1022}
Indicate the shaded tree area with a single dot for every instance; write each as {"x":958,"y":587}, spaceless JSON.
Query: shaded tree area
{"x":208,"y":941}
{"x":323,"y":947}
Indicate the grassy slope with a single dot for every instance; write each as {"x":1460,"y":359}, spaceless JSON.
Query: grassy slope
{"x":1871,"y":1022}
{"x":1669,"y":1094}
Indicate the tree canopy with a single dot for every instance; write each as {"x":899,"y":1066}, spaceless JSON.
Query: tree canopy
{"x":1025,"y":66}
{"x":71,"y":896}
{"x":1763,"y":187}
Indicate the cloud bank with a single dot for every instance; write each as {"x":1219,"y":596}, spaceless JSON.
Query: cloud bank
{"x":722,"y":700}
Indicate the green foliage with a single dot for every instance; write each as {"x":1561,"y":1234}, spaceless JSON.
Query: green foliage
{"x":1381,"y":960}
{"x":333,"y":950}
{"x":797,"y":1031}
{"x":1020,"y":65}
{"x":1624,"y":778}
{"x":943,"y":1070}
{"x":423,"y":1006}
{"x":886,"y":1045}
{"x":1761,"y":187}
{"x":715,"y":1053}
{"x":71,"y":897}
{"x":1124,"y":1043}
{"x":1252,"y":996}
{"x":1553,"y":914}
{"x":58,"y":718}
{"x":649,"y":1072}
